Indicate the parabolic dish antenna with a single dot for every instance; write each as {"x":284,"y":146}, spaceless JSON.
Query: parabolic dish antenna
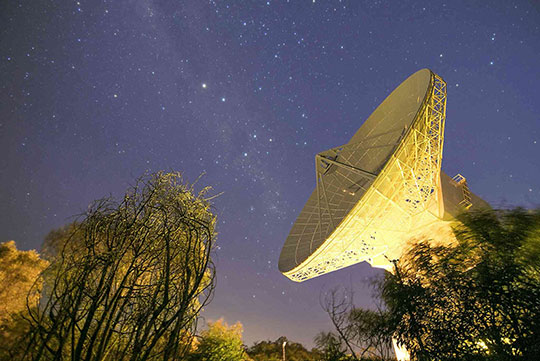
{"x":382,"y":188}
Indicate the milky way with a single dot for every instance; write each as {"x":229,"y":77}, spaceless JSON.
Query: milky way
{"x":94,"y":93}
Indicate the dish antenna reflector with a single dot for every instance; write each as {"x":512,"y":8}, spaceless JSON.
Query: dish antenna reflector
{"x":382,"y":188}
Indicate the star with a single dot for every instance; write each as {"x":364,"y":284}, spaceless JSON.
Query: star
{"x":289,"y":81}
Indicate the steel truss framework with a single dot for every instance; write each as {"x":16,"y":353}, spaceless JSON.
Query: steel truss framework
{"x":402,"y":199}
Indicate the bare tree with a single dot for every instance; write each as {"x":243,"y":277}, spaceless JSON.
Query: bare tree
{"x":129,"y":279}
{"x":370,"y":333}
{"x":364,"y":332}
{"x":338,"y":304}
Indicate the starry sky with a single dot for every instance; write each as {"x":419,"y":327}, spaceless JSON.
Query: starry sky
{"x":94,"y":93}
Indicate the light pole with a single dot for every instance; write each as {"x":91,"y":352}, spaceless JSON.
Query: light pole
{"x":283,"y":346}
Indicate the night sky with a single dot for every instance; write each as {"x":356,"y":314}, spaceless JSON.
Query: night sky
{"x":94,"y":93}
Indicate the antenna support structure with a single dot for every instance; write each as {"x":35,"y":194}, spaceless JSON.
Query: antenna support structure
{"x":381,"y":190}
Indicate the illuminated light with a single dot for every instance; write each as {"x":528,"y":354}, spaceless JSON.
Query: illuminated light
{"x":371,"y":215}
{"x":401,"y":353}
{"x":482,"y":344}
{"x":384,"y":188}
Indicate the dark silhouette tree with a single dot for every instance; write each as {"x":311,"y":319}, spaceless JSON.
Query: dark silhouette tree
{"x":477,"y":298}
{"x":337,"y":303}
{"x":363,"y":332}
{"x":273,"y":351}
{"x":128,"y":279}
{"x":370,"y":333}
{"x":331,"y":347}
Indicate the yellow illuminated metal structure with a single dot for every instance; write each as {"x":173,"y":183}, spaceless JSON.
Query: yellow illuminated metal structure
{"x":381,"y":189}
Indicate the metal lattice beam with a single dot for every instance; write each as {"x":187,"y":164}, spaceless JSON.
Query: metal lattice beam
{"x":402,"y":198}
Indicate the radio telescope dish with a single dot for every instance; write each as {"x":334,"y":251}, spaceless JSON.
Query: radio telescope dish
{"x":382,"y":188}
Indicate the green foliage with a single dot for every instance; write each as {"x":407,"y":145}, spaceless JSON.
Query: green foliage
{"x":220,"y":342}
{"x":19,"y":271}
{"x":331,"y":347}
{"x":273,"y":351}
{"x":476,"y":299}
{"x":127,"y":281}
